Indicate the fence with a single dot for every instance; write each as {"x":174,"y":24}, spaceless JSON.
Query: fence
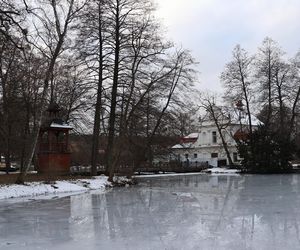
{"x":177,"y":167}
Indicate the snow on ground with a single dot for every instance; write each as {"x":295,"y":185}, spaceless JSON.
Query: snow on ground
{"x":98,"y":182}
{"x":221,"y":171}
{"x":40,"y":188}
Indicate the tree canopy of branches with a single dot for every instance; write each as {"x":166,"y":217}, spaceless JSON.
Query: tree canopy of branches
{"x":138,"y":75}
{"x":106,"y":63}
{"x":267,"y":86}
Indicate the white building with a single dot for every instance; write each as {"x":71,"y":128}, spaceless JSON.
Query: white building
{"x":207,"y":146}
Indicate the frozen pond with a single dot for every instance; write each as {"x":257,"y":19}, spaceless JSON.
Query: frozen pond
{"x":182,"y":212}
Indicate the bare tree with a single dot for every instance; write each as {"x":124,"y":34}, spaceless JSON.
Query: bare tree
{"x":94,"y":46}
{"x":220,"y":118}
{"x":70,"y":89}
{"x":51,"y":31}
{"x":282,"y":82}
{"x":277,"y":99}
{"x":185,"y":120}
{"x":10,"y":58}
{"x":266,"y":60}
{"x":294,"y":93}
{"x":11,"y":22}
{"x":238,"y":82}
{"x":182,"y":76}
{"x":123,"y":12}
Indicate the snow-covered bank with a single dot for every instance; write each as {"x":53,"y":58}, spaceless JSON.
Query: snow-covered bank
{"x":40,"y":188}
{"x":222,"y":171}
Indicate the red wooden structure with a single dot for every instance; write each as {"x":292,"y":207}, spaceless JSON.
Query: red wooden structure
{"x":53,"y":153}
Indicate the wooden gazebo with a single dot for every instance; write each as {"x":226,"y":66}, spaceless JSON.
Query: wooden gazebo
{"x":53,"y":152}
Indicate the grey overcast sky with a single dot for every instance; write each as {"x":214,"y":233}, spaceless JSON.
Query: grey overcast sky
{"x":211,"y":29}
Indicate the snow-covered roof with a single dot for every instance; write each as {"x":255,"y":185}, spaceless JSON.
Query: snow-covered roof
{"x":255,"y":121}
{"x":64,"y":125}
{"x":192,"y":136}
{"x":182,"y":146}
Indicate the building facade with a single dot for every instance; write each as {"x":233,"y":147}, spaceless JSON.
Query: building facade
{"x":206,"y":145}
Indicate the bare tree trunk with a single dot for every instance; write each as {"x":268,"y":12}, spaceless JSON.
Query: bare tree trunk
{"x":8,"y":149}
{"x":293,"y":118}
{"x":96,"y":130}
{"x":173,"y":86}
{"x":112,"y":115}
{"x":269,"y":83}
{"x":218,"y":120}
{"x":222,"y":137}
{"x":97,"y":117}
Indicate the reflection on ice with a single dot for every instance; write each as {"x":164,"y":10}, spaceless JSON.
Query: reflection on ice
{"x":178,"y":212}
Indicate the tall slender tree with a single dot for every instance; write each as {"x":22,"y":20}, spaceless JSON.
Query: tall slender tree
{"x":266,"y":60}
{"x":238,"y":81}
{"x":94,"y":48}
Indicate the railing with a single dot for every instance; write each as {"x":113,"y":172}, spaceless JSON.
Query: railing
{"x":85,"y":169}
{"x":178,"y":167}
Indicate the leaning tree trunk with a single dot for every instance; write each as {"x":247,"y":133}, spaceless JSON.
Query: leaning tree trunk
{"x":225,"y":146}
{"x":221,"y":136}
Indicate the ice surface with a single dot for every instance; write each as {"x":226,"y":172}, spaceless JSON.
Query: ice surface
{"x":169,"y":212}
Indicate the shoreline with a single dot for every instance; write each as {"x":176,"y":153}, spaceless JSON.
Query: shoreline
{"x":34,"y":189}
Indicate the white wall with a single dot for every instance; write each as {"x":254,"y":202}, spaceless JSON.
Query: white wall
{"x":204,"y":145}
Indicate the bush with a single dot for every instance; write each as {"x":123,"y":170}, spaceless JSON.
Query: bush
{"x":267,"y":152}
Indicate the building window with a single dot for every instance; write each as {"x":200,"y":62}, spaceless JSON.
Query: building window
{"x":195,"y":155}
{"x":204,"y":140}
{"x":186,"y":156}
{"x":235,"y":157}
{"x":214,"y":155}
{"x":214,"y":137}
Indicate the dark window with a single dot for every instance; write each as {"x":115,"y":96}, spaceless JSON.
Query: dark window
{"x":186,"y":155}
{"x":214,"y":155}
{"x":214,"y":137}
{"x":235,"y":157}
{"x":195,"y":155}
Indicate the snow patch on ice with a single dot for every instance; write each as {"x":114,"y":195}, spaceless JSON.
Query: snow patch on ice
{"x":123,"y":181}
{"x":97,"y":182}
{"x":185,"y":195}
{"x":40,"y":188}
{"x":163,"y":175}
